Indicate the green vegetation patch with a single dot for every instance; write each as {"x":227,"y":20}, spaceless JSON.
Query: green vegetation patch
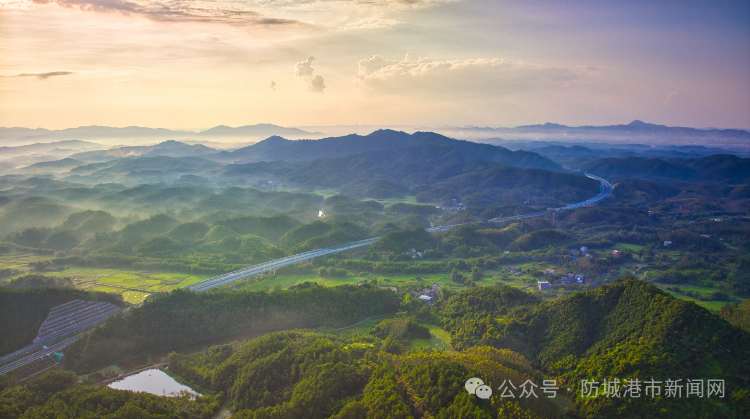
{"x":106,"y":289}
{"x":633,"y":247}
{"x":134,"y":297}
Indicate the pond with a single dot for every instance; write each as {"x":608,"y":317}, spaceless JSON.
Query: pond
{"x":154,"y":381}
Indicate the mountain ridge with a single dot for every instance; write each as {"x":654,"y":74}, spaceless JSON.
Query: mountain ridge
{"x":102,"y":132}
{"x":277,"y":148}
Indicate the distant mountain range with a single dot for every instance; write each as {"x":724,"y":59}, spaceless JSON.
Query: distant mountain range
{"x":55,"y":148}
{"x":638,"y":127}
{"x":277,"y":148}
{"x":563,"y":154}
{"x":634,"y":132}
{"x":170,"y":148}
{"x":17,"y":135}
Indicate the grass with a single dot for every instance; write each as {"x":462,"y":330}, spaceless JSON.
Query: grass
{"x":711,"y":305}
{"x":385,"y":280}
{"x":106,"y":289}
{"x":113,"y":281}
{"x":364,"y":327}
{"x":134,"y":297}
{"x":97,"y":279}
{"x":633,"y":247}
{"x":403,"y":199}
{"x":192,"y":279}
{"x":326,"y":192}
{"x":439,"y":339}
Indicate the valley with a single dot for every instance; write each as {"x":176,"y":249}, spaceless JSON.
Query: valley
{"x":391,"y":262}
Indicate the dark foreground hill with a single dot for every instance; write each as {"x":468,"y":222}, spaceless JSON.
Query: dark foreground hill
{"x":438,"y":172}
{"x":717,"y":168}
{"x":23,"y":310}
{"x":182,"y":318}
{"x":277,"y":148}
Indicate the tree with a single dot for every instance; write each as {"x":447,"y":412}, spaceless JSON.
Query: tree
{"x":62,"y":240}
{"x":457,"y":276}
{"x":476,"y":274}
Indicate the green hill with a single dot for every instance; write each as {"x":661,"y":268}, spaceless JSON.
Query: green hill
{"x":738,"y":314}
{"x":626,"y":330}
{"x":219,"y":232}
{"x":181,"y":318}
{"x":295,"y":374}
{"x":277,"y":148}
{"x":271,"y":228}
{"x":32,"y":212}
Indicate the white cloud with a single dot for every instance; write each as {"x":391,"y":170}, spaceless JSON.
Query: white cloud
{"x":234,"y":12}
{"x":304,"y":72}
{"x":369,"y":22}
{"x":480,"y":75}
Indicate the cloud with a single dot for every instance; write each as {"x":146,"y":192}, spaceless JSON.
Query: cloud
{"x":332,"y":14}
{"x":176,"y":10}
{"x":481,"y":75}
{"x":304,"y":73}
{"x":45,"y":75}
{"x":370,"y":22}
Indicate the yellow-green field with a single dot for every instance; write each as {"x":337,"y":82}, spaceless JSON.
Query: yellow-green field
{"x":134,"y":285}
{"x":384,"y":280}
{"x":711,"y":305}
{"x":633,"y":247}
{"x":439,"y":340}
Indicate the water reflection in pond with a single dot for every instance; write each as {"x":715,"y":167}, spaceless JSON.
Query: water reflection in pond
{"x":154,"y":381}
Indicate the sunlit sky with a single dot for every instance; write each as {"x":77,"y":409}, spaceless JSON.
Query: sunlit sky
{"x":196,"y":64}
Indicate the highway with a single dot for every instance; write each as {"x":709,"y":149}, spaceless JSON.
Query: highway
{"x":228,"y":278}
{"x":274,"y":264}
{"x":37,"y":350}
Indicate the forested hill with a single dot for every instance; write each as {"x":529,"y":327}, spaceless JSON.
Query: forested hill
{"x":23,"y":311}
{"x":717,"y":168}
{"x":627,"y":329}
{"x":437,"y":170}
{"x":182,"y":318}
{"x":277,"y":148}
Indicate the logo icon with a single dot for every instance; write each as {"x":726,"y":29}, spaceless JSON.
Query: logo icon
{"x":476,"y":386}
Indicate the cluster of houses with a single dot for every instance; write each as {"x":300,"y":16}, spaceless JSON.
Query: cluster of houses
{"x":516,"y":271}
{"x":413,"y":253}
{"x":566,"y":279}
{"x":583,"y":251}
{"x":457,"y":206}
{"x":428,"y":295}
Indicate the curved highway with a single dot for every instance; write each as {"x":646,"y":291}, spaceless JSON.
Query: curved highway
{"x":227,"y":278}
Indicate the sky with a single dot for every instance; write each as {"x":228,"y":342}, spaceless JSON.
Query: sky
{"x":183,"y":64}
